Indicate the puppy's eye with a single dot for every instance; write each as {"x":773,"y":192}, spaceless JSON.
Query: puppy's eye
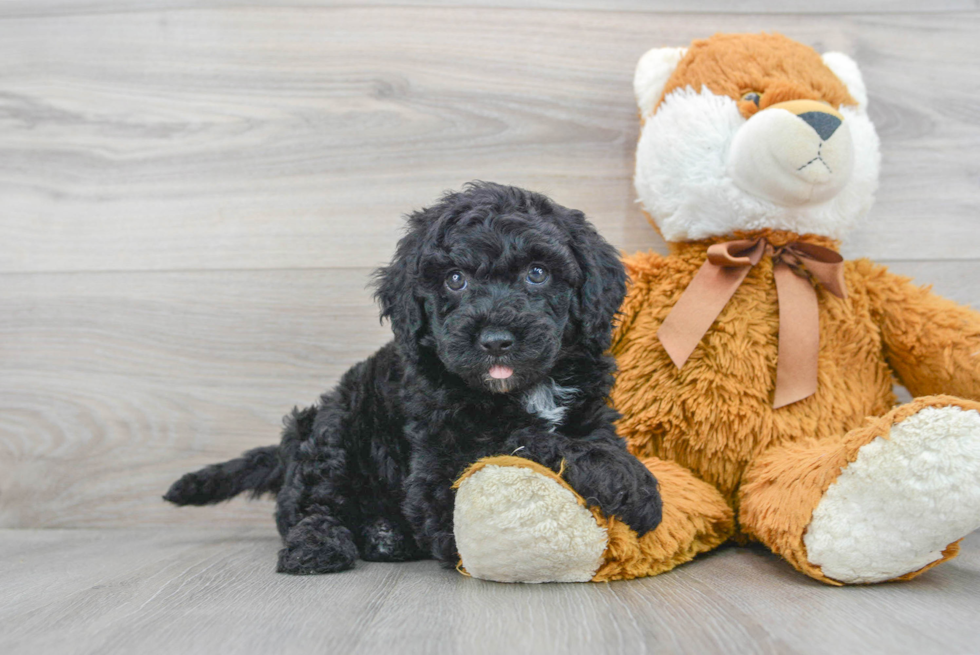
{"x":537,"y":275}
{"x":456,"y":281}
{"x":752,"y":96}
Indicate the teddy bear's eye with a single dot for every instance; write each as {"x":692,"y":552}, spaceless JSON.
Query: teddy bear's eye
{"x":752,"y":96}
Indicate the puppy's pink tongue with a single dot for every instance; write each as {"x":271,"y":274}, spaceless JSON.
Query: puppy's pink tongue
{"x":499,"y":372}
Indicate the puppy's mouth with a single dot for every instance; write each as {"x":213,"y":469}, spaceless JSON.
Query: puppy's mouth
{"x":501,"y":378}
{"x":500,"y":372}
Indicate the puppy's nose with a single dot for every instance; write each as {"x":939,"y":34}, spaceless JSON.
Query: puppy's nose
{"x":823,"y":124}
{"x":496,"y":340}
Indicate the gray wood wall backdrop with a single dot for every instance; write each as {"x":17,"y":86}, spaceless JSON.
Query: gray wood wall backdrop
{"x":193,"y":195}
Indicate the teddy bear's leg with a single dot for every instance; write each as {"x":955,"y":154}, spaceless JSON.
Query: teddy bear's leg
{"x":517,"y":521}
{"x":886,"y":501}
{"x":696,"y":519}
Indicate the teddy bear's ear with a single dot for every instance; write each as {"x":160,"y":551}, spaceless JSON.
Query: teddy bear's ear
{"x":652,"y":72}
{"x":846,"y":69}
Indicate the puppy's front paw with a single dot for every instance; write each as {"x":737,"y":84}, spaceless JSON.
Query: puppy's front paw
{"x":626,"y":490}
{"x":384,"y":541}
{"x":317,"y":545}
{"x":645,"y":512}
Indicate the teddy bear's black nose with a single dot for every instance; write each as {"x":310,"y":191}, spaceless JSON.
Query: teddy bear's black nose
{"x":823,"y":123}
{"x":496,"y":340}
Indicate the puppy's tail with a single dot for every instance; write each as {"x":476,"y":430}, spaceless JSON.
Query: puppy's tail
{"x":258,"y":471}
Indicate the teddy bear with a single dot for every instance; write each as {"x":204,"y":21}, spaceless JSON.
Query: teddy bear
{"x":756,"y":365}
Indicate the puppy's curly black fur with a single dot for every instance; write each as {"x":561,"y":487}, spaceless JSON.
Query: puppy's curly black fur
{"x":501,"y":302}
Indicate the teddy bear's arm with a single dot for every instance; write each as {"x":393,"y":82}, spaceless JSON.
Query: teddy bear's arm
{"x":931,"y":343}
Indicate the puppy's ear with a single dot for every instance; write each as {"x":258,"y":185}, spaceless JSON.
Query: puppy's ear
{"x":396,"y":285}
{"x":603,"y":284}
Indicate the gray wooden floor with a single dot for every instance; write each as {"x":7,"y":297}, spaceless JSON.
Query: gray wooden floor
{"x":191,"y":590}
{"x":192,"y":197}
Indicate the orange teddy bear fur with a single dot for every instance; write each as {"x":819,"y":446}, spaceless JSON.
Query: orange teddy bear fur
{"x":711,"y":424}
{"x":844,"y":484}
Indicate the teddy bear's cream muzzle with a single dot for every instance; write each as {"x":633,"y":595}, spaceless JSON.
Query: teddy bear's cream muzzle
{"x":793,"y":153}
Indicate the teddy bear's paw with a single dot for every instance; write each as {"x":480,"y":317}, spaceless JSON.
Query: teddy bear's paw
{"x":513,"y":524}
{"x":902,"y":501}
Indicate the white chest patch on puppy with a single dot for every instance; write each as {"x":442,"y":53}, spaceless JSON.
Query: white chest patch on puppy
{"x":549,"y":400}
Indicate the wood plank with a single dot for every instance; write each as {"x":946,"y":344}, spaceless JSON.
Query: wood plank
{"x":35,"y":8}
{"x":111,"y":385}
{"x":114,"y":384}
{"x":296,"y":137}
{"x":214,"y":590}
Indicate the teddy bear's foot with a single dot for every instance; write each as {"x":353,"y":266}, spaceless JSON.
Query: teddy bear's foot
{"x":897,"y":507}
{"x":516,"y":521}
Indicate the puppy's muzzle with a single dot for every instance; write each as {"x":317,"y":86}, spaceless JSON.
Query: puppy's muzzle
{"x":793,"y":153}
{"x":496,"y":341}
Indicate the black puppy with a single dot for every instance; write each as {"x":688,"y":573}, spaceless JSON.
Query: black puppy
{"x":501,"y":302}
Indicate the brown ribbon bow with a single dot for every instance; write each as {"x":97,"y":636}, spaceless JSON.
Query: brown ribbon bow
{"x":799,"y":317}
